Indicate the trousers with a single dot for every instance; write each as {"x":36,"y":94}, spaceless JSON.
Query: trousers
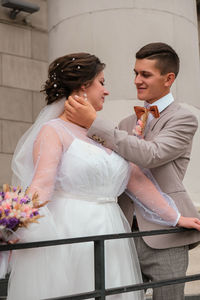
{"x":161,"y":264}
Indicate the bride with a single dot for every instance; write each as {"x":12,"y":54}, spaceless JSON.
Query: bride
{"x":82,"y":180}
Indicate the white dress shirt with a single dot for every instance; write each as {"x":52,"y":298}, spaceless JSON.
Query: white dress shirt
{"x":162,"y":103}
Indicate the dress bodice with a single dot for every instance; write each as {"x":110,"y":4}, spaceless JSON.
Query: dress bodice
{"x":88,"y":170}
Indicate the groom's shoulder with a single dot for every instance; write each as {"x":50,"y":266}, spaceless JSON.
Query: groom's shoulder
{"x":183,"y":111}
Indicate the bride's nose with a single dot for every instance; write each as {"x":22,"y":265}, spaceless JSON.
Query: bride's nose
{"x":106,"y":93}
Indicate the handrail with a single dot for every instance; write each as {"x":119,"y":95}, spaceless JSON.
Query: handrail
{"x":5,"y":247}
{"x":100,"y":291}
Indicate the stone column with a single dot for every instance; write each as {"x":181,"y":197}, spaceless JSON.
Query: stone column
{"x":114,"y":30}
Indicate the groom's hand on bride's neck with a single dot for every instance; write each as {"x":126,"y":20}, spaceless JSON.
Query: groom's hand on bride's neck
{"x":79,"y":111}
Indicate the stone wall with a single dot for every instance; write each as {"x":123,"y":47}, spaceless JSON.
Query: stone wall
{"x":23,"y":65}
{"x":198,"y":17}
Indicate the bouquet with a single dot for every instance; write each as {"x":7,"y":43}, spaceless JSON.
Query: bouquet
{"x":17,"y":209}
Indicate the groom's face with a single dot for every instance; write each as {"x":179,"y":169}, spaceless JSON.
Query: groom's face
{"x":150,"y":84}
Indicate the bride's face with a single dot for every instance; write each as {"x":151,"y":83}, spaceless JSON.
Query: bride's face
{"x":96,"y":92}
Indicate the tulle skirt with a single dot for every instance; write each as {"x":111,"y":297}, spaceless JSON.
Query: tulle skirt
{"x":57,"y":271}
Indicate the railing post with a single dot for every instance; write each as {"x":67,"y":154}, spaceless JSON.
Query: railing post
{"x":99,"y":268}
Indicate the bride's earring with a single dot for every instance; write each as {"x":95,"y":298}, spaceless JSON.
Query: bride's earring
{"x":85,"y":96}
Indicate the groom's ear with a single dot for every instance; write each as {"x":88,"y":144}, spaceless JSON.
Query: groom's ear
{"x":169,"y":79}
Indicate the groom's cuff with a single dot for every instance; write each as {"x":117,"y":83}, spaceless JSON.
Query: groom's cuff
{"x":102,"y":131}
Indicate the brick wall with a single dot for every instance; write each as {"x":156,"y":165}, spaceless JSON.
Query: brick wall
{"x":23,"y":69}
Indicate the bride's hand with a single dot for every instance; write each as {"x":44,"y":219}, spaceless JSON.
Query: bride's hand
{"x":189,"y":222}
{"x":13,"y":241}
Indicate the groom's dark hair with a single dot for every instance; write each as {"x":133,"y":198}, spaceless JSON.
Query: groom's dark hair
{"x":166,"y":58}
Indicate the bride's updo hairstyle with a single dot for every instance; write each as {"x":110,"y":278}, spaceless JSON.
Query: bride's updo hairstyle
{"x":68,"y":73}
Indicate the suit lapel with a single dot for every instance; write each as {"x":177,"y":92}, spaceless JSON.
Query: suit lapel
{"x":167,"y":110}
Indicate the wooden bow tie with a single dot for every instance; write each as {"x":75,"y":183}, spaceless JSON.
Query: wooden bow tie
{"x":140,"y":110}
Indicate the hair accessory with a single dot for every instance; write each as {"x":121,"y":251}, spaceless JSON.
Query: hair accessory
{"x":73,"y":58}
{"x":78,"y":67}
{"x":62,"y":70}
{"x":57,"y":95}
{"x":55,"y":85}
{"x":57,"y":64}
{"x":54,"y":76}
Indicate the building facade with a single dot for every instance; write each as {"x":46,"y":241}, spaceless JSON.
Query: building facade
{"x":113,"y":30}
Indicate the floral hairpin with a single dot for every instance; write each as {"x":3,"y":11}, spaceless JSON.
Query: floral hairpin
{"x":53,"y":76}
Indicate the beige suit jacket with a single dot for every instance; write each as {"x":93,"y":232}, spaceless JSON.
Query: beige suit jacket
{"x":166,"y":152}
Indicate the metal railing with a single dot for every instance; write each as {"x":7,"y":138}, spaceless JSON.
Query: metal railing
{"x":100,"y":291}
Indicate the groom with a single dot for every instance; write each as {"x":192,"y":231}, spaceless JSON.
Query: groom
{"x":164,"y":147}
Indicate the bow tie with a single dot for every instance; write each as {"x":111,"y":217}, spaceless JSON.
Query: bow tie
{"x":140,"y":110}
{"x":142,"y":114}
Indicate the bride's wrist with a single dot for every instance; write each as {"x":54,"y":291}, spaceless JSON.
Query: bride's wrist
{"x":179,"y":220}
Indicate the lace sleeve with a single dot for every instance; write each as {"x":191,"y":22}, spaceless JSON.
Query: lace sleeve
{"x":47,"y":152}
{"x":154,"y":205}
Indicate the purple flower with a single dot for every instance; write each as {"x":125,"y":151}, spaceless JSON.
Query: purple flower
{"x":6,"y":212}
{"x":23,"y":201}
{"x":4,"y":222}
{"x":35,"y":213}
{"x":2,"y":194}
{"x":12,"y":223}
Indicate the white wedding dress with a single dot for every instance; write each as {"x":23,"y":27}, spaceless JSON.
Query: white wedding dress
{"x":82,"y":180}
